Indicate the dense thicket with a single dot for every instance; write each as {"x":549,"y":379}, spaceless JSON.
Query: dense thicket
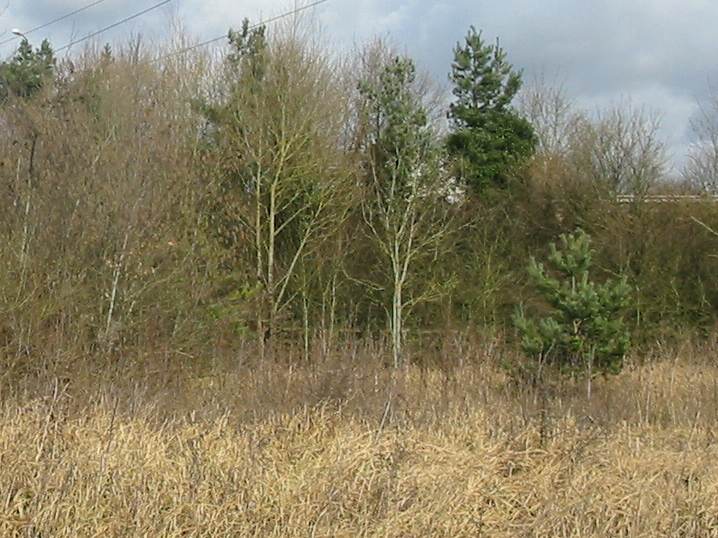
{"x":282,"y":194}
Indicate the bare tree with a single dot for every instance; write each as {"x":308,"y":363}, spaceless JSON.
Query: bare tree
{"x":109,"y":155}
{"x":552,"y":113}
{"x":403,"y":209}
{"x":701,"y":167}
{"x":281,"y":174}
{"x":620,"y":149}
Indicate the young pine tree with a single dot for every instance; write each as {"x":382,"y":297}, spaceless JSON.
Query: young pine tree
{"x":488,"y":139}
{"x":585,"y":330}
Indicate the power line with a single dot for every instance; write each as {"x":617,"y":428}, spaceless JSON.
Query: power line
{"x":58,"y":19}
{"x":261,"y":23}
{"x":114,"y":25}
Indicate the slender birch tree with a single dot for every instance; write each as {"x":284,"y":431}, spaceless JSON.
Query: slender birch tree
{"x":403,"y":209}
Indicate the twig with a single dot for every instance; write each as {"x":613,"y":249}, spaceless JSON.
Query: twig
{"x":48,"y":419}
{"x":384,"y":417}
{"x":698,"y":221}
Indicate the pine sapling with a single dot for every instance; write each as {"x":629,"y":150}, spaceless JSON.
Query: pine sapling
{"x":584,"y":330}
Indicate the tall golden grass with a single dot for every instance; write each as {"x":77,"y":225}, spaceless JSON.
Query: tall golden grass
{"x":343,"y":447}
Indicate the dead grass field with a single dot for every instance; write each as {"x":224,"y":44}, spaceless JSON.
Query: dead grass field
{"x":343,"y":448}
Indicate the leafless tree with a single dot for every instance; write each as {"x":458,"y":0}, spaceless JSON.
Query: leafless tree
{"x":281,"y":139}
{"x":404,"y":208}
{"x":620,"y":149}
{"x":552,"y":113}
{"x":701,"y":167}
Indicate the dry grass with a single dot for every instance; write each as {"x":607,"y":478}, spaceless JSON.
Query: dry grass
{"x":315,"y":450}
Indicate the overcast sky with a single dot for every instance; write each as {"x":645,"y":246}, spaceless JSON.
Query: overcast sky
{"x":660,"y":54}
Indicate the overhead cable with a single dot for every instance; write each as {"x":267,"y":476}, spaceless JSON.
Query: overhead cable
{"x":257,"y":25}
{"x":58,"y":19}
{"x":114,"y":25}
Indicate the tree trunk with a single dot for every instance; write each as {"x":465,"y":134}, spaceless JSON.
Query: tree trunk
{"x":396,"y":326}
{"x":271,"y":292}
{"x":258,"y":246}
{"x":591,"y":356}
{"x":305,"y":321}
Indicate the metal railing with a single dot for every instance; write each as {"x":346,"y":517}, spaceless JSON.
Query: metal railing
{"x":667,"y":198}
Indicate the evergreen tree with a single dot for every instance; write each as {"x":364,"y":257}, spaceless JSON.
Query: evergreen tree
{"x":488,"y":138}
{"x":585,"y":329}
{"x":28,"y":71}
{"x":248,"y":50}
{"x":402,"y":140}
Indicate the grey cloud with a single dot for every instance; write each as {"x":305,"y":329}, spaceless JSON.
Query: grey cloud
{"x":660,"y":53}
{"x":28,"y":15}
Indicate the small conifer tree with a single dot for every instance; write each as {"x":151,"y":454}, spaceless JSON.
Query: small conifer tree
{"x":585,"y":330}
{"x":28,"y":71}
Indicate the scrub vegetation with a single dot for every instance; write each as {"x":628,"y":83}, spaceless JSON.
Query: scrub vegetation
{"x":279,"y":291}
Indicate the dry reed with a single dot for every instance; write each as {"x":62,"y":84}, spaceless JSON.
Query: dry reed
{"x":343,"y":447}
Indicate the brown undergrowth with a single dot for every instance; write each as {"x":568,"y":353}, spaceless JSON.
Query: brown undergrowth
{"x":344,"y":447}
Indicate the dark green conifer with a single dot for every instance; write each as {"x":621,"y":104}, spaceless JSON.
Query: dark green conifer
{"x":488,"y":139}
{"x":28,"y":71}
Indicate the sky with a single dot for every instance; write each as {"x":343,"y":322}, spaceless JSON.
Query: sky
{"x":655,"y":54}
